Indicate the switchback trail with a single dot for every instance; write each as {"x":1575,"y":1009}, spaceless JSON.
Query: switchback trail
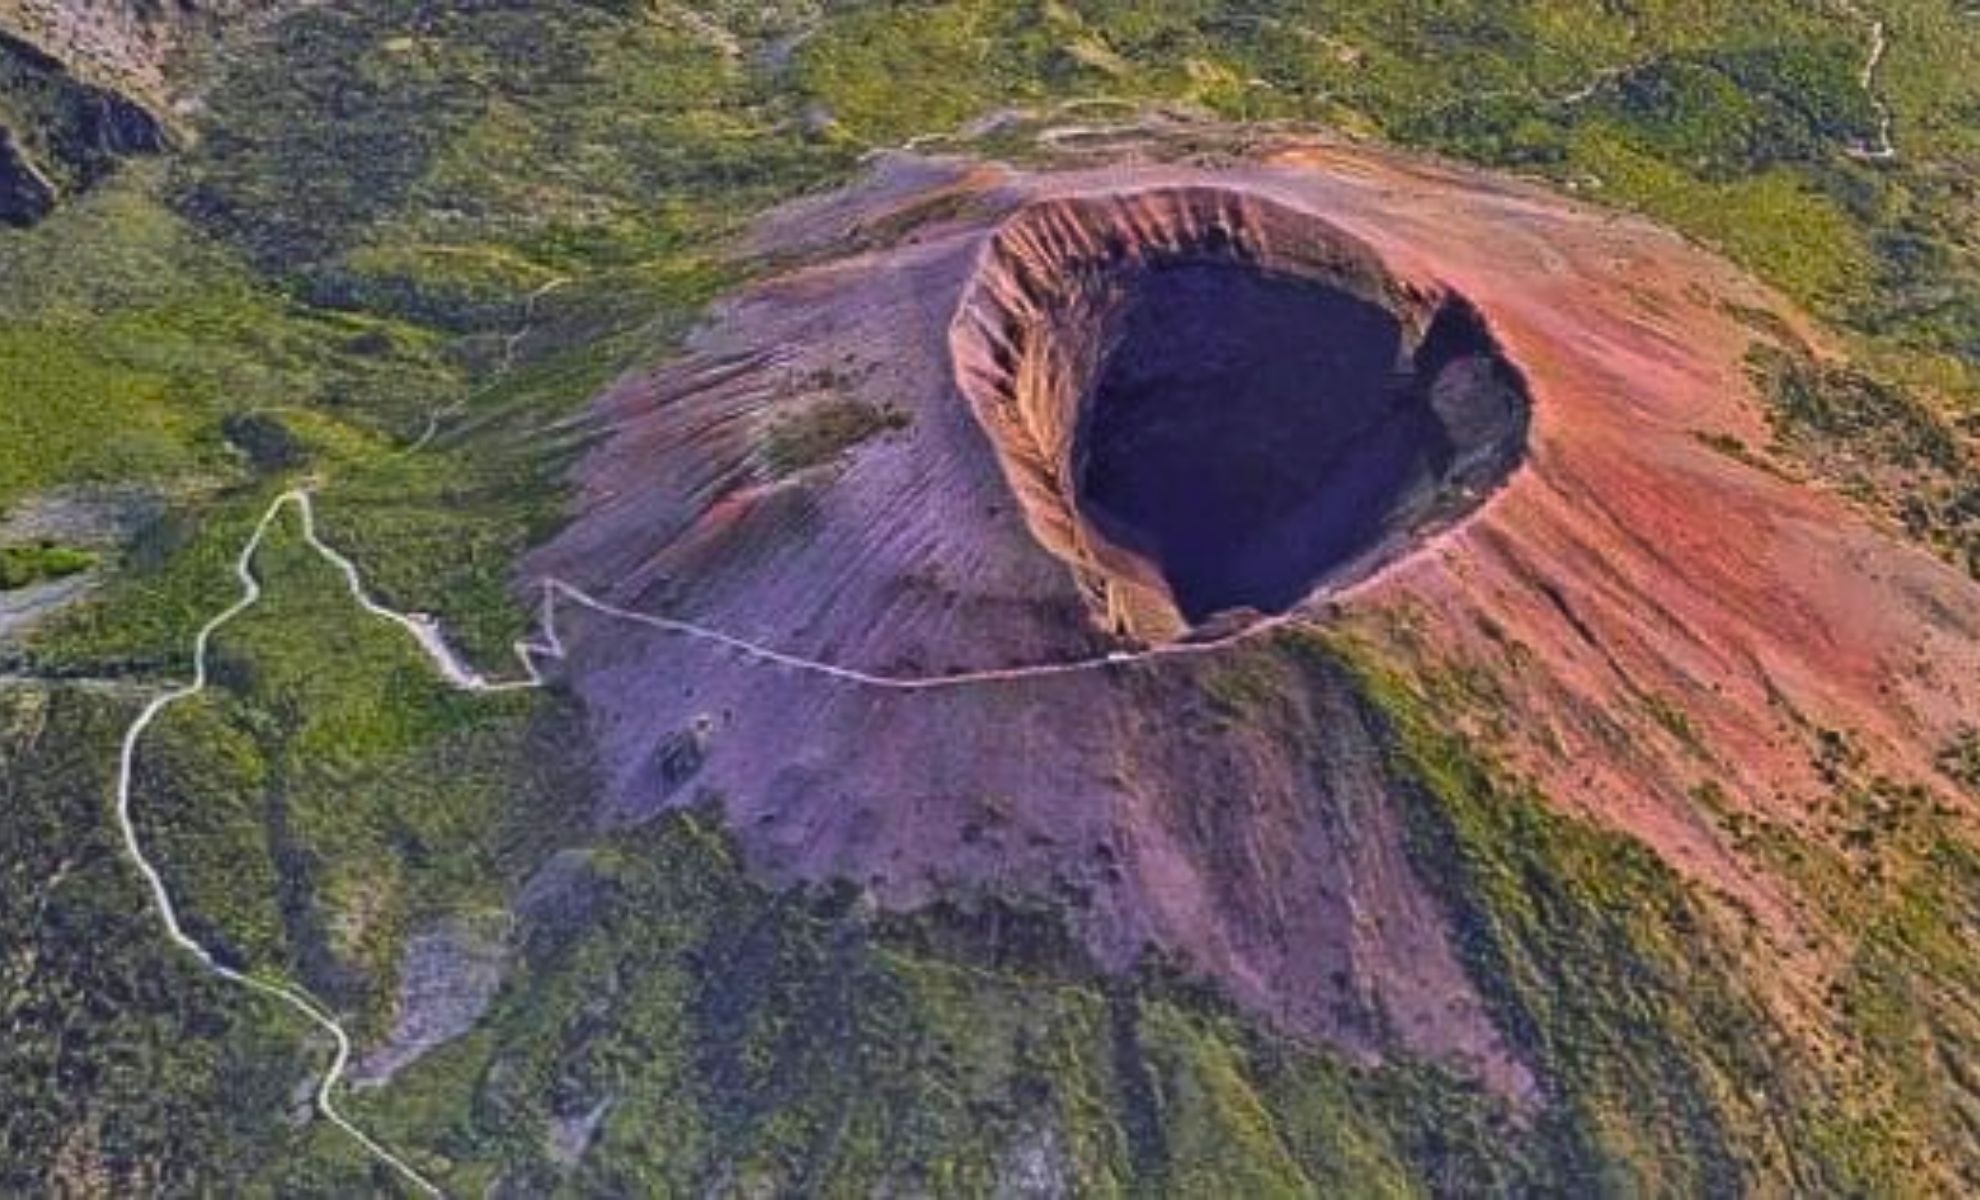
{"x":460,"y":675}
{"x":505,"y":365}
{"x":1883,"y":149}
{"x":161,"y":897}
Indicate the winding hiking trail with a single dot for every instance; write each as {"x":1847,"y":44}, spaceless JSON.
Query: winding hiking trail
{"x":449,"y":665}
{"x":295,"y":998}
{"x":431,"y":641}
{"x":1883,"y":149}
{"x":554,"y":588}
{"x":504,"y":365}
{"x":462,"y":676}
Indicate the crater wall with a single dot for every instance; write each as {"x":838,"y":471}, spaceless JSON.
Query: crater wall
{"x":1207,"y":401}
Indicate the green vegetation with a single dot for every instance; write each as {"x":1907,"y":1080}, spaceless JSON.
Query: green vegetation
{"x":42,"y":561}
{"x":822,"y":432}
{"x":1669,"y":715}
{"x":692,"y":1027}
{"x":1840,"y":408}
{"x":1961,"y":760}
{"x":1879,"y":445}
{"x":354,"y":789}
{"x":1629,"y":993}
{"x":355,"y":247}
{"x":126,"y":1066}
{"x":140,"y":337}
{"x":1606,"y":972}
{"x":1741,"y":124}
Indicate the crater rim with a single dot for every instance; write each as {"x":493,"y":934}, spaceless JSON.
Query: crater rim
{"x":1051,"y":306}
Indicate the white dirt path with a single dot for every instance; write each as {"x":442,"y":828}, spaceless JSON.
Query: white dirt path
{"x":459,"y":674}
{"x":161,"y":896}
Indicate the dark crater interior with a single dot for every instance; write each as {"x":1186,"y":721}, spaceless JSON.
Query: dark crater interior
{"x":1257,"y":434}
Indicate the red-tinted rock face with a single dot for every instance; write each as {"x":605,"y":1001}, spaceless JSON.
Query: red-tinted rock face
{"x":1537,"y":500}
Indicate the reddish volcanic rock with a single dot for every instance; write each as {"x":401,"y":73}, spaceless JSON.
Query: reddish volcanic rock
{"x":940,"y":455}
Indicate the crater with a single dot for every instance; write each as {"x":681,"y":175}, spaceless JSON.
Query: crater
{"x":1209,"y":402}
{"x":1167,"y":396}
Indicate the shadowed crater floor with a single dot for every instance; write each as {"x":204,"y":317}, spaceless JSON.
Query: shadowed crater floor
{"x":1212,"y":403}
{"x":1251,"y":433}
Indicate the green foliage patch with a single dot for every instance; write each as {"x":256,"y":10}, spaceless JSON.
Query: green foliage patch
{"x":42,"y":561}
{"x":1880,"y":445}
{"x":823,"y":432}
{"x":127,"y":1069}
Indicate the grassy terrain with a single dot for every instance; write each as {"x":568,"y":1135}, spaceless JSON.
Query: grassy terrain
{"x":823,"y":432}
{"x":1880,"y":445}
{"x":360,"y":239}
{"x":1734,"y":122}
{"x":44,"y":560}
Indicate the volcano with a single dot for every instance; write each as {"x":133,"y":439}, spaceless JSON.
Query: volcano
{"x":1110,"y":445}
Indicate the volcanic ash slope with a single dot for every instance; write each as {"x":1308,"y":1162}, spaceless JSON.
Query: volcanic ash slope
{"x":985,"y":419}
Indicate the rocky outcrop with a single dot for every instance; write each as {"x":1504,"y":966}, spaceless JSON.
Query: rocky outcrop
{"x":448,"y":978}
{"x":26,"y":195}
{"x":86,"y":84}
{"x":58,"y":134}
{"x":98,"y":521}
{"x":135,"y":48}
